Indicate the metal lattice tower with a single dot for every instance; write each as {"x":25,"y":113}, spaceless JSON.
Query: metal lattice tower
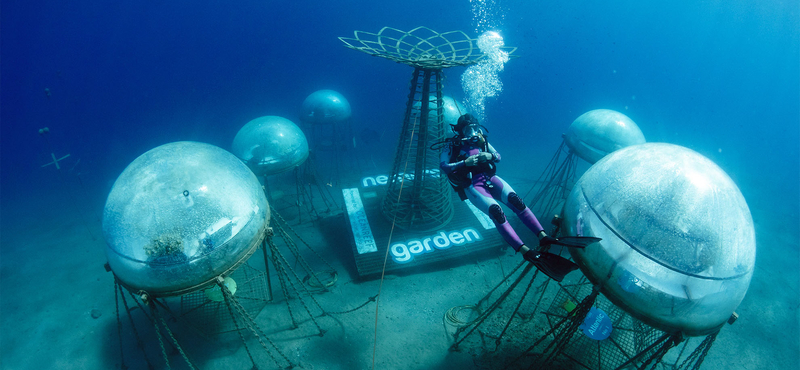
{"x":425,"y":200}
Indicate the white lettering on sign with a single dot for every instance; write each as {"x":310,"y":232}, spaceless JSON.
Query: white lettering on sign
{"x":383,"y":179}
{"x":362,"y":233}
{"x":596,"y":323}
{"x":484,"y":219}
{"x":404,"y":252}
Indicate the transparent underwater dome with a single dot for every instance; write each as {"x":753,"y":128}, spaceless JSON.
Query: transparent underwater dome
{"x":598,"y":132}
{"x":270,"y":145}
{"x":180,"y":215}
{"x":325,"y":107}
{"x":678,"y":247}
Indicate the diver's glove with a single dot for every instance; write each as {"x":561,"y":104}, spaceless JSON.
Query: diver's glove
{"x":485,"y":157}
{"x":471,"y":160}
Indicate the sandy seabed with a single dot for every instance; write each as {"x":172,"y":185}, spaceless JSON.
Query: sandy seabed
{"x":57,"y":307}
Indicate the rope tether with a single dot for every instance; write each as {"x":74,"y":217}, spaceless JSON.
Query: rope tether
{"x":389,"y":243}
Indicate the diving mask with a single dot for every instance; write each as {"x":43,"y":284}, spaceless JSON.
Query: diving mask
{"x":474,"y":134}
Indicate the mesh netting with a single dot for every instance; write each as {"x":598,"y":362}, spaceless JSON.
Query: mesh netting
{"x":544,"y":340}
{"x":629,"y":337}
{"x":211,"y":317}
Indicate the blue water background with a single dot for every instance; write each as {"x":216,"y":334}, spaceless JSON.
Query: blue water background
{"x":719,"y":77}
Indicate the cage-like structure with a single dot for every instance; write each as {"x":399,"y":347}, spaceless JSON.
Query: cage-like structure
{"x":212,"y":317}
{"x":557,"y":338}
{"x":553,"y":185}
{"x":591,"y":137}
{"x":418,"y":196}
{"x":630,"y":341}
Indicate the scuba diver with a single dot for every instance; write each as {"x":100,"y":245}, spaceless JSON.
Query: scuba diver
{"x":469,"y":162}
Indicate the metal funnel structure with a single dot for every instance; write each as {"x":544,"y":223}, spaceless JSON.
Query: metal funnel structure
{"x":418,"y":196}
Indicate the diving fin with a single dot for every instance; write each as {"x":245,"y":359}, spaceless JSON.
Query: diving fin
{"x":576,"y":241}
{"x":552,"y":265}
